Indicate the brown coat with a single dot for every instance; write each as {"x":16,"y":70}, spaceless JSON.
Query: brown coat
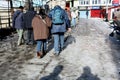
{"x":41,"y":29}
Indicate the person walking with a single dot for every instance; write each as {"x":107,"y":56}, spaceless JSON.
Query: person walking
{"x":18,"y":24}
{"x":41,"y":24}
{"x":116,"y":16}
{"x":28,"y":16}
{"x":60,"y":23}
{"x":68,"y":13}
{"x":73,"y":21}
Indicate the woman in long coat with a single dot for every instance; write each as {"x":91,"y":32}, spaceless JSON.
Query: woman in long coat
{"x":41,"y":24}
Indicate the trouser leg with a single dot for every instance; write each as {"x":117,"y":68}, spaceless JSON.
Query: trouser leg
{"x":20,"y":34}
{"x":61,"y":40}
{"x":39,"y":45}
{"x":56,"y":43}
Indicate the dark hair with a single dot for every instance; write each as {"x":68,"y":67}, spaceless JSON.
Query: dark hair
{"x":65,"y":8}
{"x":118,"y":9}
{"x":21,"y":7}
{"x":42,"y":13}
{"x":57,"y":6}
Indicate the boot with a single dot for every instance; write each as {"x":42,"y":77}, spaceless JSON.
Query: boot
{"x":39,"y":54}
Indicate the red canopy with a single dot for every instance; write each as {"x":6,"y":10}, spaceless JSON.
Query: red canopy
{"x":115,"y":1}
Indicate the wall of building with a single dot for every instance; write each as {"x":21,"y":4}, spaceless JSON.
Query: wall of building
{"x":53,"y":3}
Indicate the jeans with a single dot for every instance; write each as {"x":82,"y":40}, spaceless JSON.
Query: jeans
{"x":20,"y":34}
{"x":39,"y":45}
{"x":30,"y":37}
{"x":73,"y":22}
{"x":58,"y":42}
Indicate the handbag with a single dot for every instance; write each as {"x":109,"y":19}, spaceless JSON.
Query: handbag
{"x":42,"y":20}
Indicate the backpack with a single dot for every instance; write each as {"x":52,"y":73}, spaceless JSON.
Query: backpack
{"x":58,"y":17}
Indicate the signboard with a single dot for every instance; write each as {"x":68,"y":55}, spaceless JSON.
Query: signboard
{"x":95,"y":7}
{"x":62,"y":3}
{"x":115,"y":2}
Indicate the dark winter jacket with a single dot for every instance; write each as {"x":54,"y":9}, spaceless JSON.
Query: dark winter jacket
{"x":28,"y":16}
{"x":17,"y":20}
{"x":62,"y":27}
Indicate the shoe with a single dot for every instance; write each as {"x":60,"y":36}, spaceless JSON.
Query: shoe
{"x":44,"y":53}
{"x":18,"y":44}
{"x":39,"y":54}
{"x":56,"y":53}
{"x":31,"y":43}
{"x":26,"y":43}
{"x":61,"y":49}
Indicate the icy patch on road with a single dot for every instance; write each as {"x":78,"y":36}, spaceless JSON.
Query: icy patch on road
{"x":92,"y":54}
{"x":91,"y":49}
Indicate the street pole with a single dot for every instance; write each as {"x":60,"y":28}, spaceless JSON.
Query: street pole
{"x":8,"y":14}
{"x":106,"y":16}
{"x":9,"y":5}
{"x":72,"y":1}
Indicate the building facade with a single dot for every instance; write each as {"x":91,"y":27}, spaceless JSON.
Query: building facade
{"x":95,"y":2}
{"x":96,"y":8}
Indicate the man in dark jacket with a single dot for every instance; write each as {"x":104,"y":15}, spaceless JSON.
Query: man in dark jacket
{"x":58,"y":30}
{"x":28,"y":16}
{"x":18,"y":23}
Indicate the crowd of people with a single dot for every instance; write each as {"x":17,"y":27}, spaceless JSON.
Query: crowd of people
{"x":39,"y":26}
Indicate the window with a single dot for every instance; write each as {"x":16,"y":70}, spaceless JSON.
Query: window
{"x":84,"y":2}
{"x":95,"y":1}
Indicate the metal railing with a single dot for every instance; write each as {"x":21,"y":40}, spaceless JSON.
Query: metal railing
{"x":5,"y":18}
{"x":5,"y":14}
